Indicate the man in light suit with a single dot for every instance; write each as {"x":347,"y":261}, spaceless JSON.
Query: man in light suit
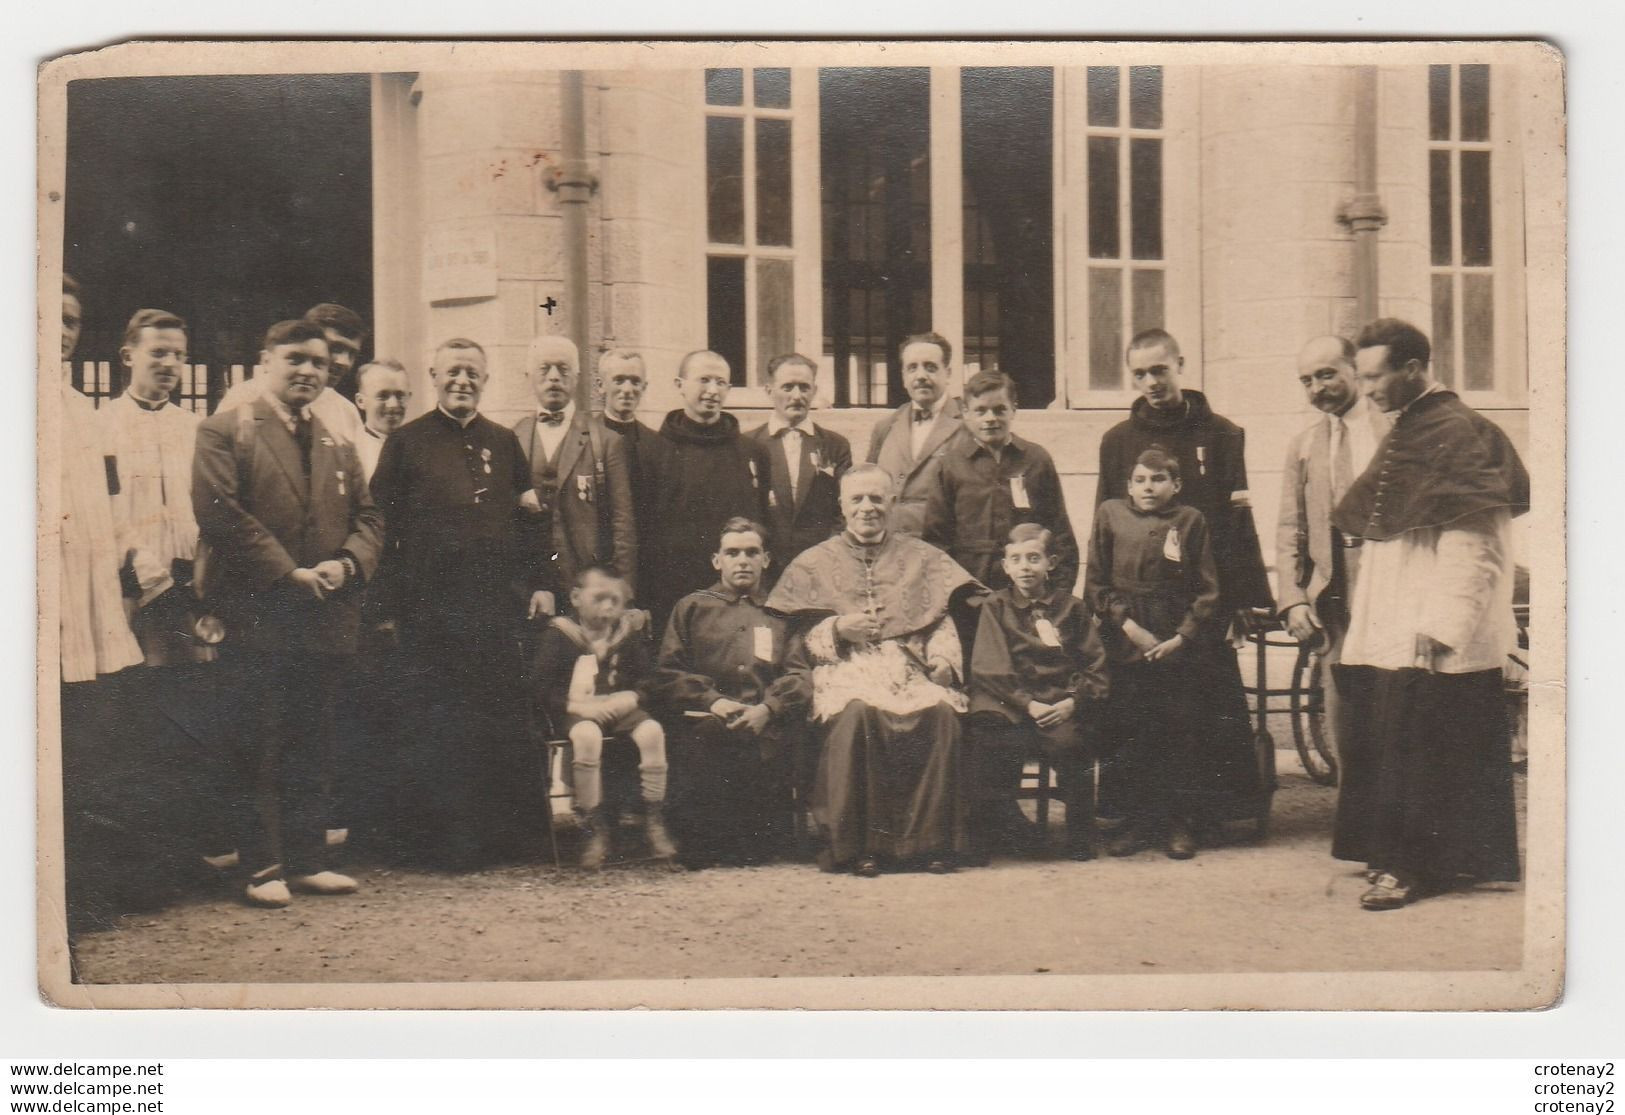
{"x":1315,"y":564}
{"x":579,"y":505}
{"x":292,"y":535}
{"x":909,"y":442}
{"x":807,"y":463}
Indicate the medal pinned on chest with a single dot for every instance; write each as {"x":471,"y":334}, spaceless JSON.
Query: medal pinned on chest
{"x":1047,"y":633}
{"x":1018,"y":493}
{"x":485,"y":456}
{"x":755,"y":481}
{"x":1170,"y":545}
{"x":584,"y":489}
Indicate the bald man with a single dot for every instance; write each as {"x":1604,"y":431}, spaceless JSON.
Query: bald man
{"x":578,"y":508}
{"x":1314,"y":562}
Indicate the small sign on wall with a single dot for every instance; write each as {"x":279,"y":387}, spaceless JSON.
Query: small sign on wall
{"x":460,"y":264}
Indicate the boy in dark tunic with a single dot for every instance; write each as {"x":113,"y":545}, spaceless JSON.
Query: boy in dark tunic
{"x":704,"y":473}
{"x":586,"y":674}
{"x":1151,"y":581}
{"x":1038,"y":685}
{"x":992,"y":480}
{"x":721,"y":669}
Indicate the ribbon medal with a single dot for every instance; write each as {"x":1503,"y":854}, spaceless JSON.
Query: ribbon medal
{"x":485,"y":455}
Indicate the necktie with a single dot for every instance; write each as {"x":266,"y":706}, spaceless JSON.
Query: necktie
{"x":1342,"y":459}
{"x":551,"y":417}
{"x":792,"y":454}
{"x":301,"y":436}
{"x":921,"y":415}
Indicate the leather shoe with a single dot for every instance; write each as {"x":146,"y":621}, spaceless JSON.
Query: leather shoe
{"x":941,"y":867}
{"x":868,"y":867}
{"x":1126,"y":842}
{"x":1181,"y":844}
{"x":270,"y":893}
{"x":324,"y":882}
{"x":1389,"y":892}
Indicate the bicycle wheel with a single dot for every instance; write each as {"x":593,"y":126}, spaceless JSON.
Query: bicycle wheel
{"x":1308,"y":706}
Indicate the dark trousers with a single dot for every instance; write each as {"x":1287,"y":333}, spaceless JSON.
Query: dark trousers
{"x":730,"y":797}
{"x":1001,"y":750}
{"x":369,"y":719}
{"x":285,"y":702}
{"x":1155,"y":720}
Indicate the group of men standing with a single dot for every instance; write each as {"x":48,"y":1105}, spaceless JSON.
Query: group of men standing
{"x":351,"y":567}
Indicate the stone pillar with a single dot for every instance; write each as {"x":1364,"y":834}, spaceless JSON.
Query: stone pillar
{"x":487,"y":142}
{"x":1278,"y":169}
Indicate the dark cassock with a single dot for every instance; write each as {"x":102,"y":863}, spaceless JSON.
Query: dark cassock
{"x":730,"y":793}
{"x":459,"y":584}
{"x":1213,"y":471}
{"x":890,"y":781}
{"x":703,"y":476}
{"x":1435,"y":510}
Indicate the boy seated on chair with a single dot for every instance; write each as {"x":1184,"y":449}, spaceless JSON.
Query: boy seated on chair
{"x":586,"y":673}
{"x":721,"y":670}
{"x":1038,"y":678}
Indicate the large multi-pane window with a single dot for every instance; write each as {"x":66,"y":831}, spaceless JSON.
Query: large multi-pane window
{"x":874,"y":132}
{"x":1127,"y":283}
{"x":1463,"y":251}
{"x":1007,"y":144}
{"x":750,"y":252}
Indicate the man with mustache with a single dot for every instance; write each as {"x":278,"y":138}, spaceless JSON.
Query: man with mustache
{"x":578,"y":509}
{"x":294,"y":535}
{"x":910,"y":442}
{"x":705,"y":473}
{"x":460,"y":587}
{"x":808,"y":462}
{"x":1316,"y":563}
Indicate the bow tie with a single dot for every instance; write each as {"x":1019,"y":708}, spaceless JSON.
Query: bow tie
{"x":551,"y":417}
{"x":921,"y":415}
{"x":787,"y":430}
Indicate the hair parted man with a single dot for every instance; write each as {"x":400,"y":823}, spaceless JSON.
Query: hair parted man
{"x":909,"y":442}
{"x":1430,"y":626}
{"x":461,"y":588}
{"x":283,"y":505}
{"x":344,"y":332}
{"x":808,"y":461}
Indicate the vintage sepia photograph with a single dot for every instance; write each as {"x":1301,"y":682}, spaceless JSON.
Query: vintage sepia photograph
{"x":1043,"y":525}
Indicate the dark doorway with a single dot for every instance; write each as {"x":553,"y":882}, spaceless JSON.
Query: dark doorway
{"x":874,"y":130}
{"x":1008,"y":152}
{"x":235,"y":202}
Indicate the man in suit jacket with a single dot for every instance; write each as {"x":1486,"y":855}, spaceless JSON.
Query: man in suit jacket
{"x":578,"y":509}
{"x":293,"y":535}
{"x":909,"y":442}
{"x":807,"y":463}
{"x":1315,"y":563}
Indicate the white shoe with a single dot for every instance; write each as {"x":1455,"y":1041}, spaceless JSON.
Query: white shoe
{"x":223,"y":862}
{"x":270,"y":893}
{"x":324,"y":882}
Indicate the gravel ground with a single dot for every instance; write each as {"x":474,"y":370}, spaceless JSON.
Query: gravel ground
{"x":1284,"y":906}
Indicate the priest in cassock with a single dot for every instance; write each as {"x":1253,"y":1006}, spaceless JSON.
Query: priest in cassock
{"x":1430,"y":627}
{"x":885,"y":662}
{"x":449,"y":484}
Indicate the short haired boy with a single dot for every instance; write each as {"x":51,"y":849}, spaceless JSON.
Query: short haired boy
{"x":1038,"y":680}
{"x":721,"y":671}
{"x":586,"y":672}
{"x":990,"y":481}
